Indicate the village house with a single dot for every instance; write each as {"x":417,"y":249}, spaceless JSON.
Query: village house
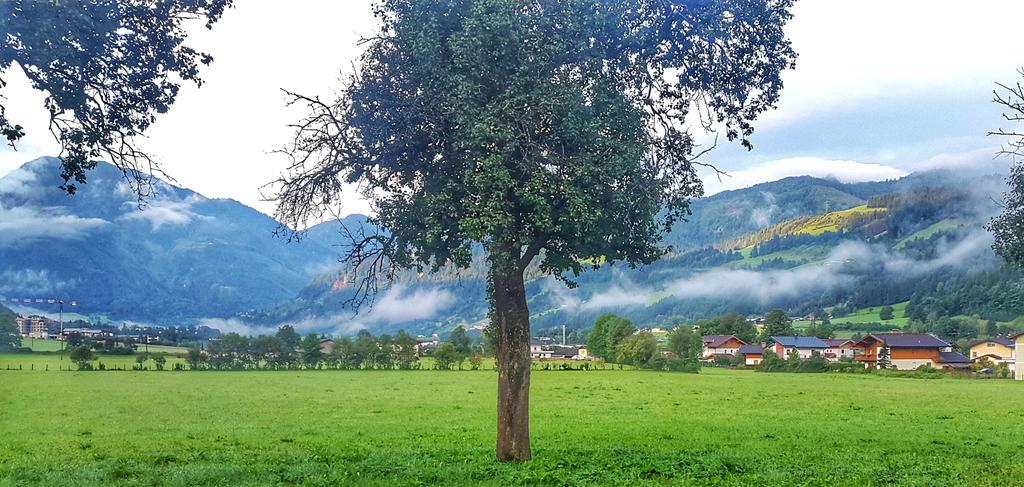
{"x":541,"y":347}
{"x":86,"y":333}
{"x":326,"y":346}
{"x":805,"y":346}
{"x":839,"y":348}
{"x":565,"y":352}
{"x":908,"y":351}
{"x":582,"y":353}
{"x":752,"y":354}
{"x":424,"y":349}
{"x":715,"y":345}
{"x":998,"y":350}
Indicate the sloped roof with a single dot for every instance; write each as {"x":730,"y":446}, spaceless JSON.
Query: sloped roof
{"x":953,"y":358}
{"x":799,"y":342}
{"x":566,"y":351}
{"x":910,"y":340}
{"x":1004,"y":341}
{"x":751,"y":350}
{"x":837,"y":342}
{"x":715,"y":341}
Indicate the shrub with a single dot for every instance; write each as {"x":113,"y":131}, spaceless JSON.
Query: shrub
{"x":689,"y":365}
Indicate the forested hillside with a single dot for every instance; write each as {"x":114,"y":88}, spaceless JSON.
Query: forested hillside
{"x":799,"y":243}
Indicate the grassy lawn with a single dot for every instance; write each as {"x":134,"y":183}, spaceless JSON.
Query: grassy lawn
{"x":796,"y":254}
{"x":871,"y":315}
{"x":53,"y":361}
{"x":946,"y":224}
{"x":428,"y":428}
{"x":42,"y":345}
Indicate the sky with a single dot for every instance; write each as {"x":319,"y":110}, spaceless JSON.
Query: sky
{"x":882,"y":88}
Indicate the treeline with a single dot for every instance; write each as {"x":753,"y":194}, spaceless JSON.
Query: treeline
{"x":614,"y":339}
{"x":366,"y":351}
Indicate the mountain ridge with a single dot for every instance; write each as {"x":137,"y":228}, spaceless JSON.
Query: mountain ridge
{"x":186,"y":258}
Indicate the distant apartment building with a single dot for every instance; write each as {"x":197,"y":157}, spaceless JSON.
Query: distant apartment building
{"x":32,"y":326}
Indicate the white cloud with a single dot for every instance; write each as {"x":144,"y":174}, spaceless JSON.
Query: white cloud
{"x":160,"y":212}
{"x":394,"y":306}
{"x":853,"y":52}
{"x":24,"y":225}
{"x":399,"y":305}
{"x":843,"y":171}
{"x":33,"y":282}
{"x":18,"y":181}
{"x":844,"y":266}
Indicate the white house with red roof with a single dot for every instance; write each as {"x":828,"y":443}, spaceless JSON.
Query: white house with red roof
{"x":805,"y":347}
{"x":715,"y":345}
{"x":837,"y":349}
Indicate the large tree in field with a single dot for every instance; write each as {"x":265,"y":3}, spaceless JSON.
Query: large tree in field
{"x":554,"y":130}
{"x":1008,"y":227}
{"x":108,"y":67}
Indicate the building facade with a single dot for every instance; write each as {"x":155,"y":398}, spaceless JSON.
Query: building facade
{"x":32,"y":326}
{"x":908,"y":351}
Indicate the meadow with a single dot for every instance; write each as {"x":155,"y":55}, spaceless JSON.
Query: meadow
{"x":721,"y":427}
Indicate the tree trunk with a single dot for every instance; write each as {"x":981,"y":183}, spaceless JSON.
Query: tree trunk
{"x":512,"y":319}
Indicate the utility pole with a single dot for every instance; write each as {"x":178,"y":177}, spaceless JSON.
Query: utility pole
{"x":61,"y":335}
{"x":563,"y":334}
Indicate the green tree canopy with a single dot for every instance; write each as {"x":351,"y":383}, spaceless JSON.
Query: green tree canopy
{"x":460,"y":340}
{"x":289,"y":336}
{"x":311,"y":353}
{"x":10,"y":338}
{"x":82,"y":356}
{"x":683,"y":342}
{"x":1008,"y":227}
{"x":776,"y":323}
{"x":729,"y":324}
{"x":546,"y":129}
{"x":636,"y":349}
{"x":107,"y":68}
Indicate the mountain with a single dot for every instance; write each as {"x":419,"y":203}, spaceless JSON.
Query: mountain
{"x":800,"y":243}
{"x":181,"y":257}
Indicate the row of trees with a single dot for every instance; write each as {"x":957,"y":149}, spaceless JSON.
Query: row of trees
{"x":287,"y":350}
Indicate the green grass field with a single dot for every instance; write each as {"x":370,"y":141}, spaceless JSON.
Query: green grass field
{"x":608,"y":427}
{"x":53,"y":361}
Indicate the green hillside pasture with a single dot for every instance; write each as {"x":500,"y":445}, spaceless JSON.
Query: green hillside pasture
{"x":871,"y":315}
{"x":946,"y":224}
{"x":720,"y":427}
{"x":811,"y":253}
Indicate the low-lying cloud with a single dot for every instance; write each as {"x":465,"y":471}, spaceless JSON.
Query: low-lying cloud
{"x":35,"y":283}
{"x":160,"y":212}
{"x":843,"y":171}
{"x":844,"y":267}
{"x":24,"y":225}
{"x":395,"y":306}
